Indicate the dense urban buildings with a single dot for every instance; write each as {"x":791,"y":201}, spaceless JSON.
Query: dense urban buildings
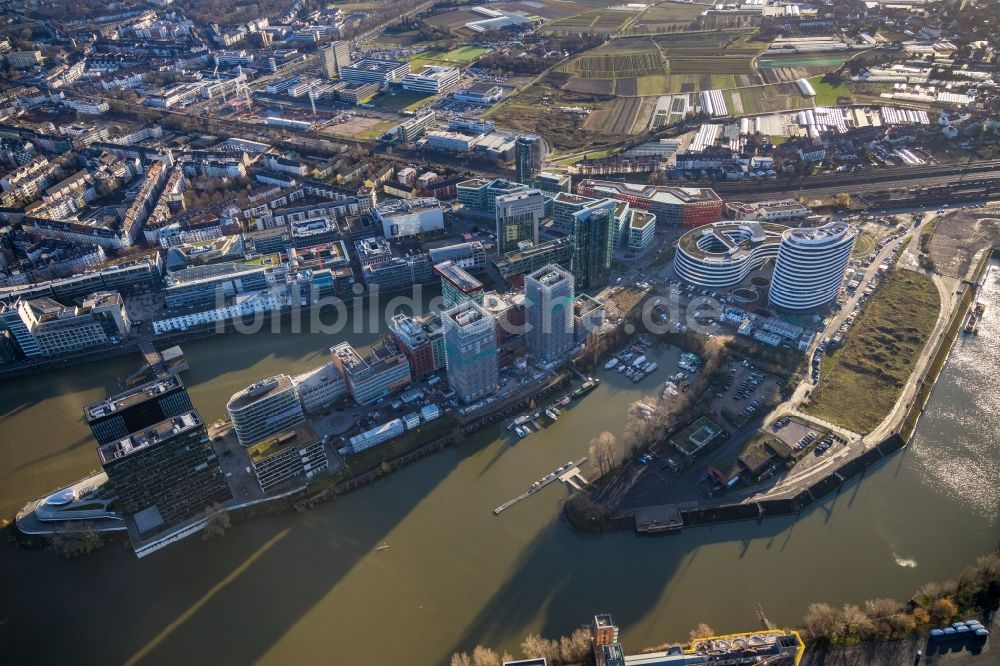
{"x":421,"y":339}
{"x":548,"y":295}
{"x":470,"y":340}
{"x":45,"y":327}
{"x":810,"y":266}
{"x":165,"y":473}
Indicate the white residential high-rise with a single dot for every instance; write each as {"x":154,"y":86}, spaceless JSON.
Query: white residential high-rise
{"x":810,"y":266}
{"x":334,"y":56}
{"x":548,"y":301}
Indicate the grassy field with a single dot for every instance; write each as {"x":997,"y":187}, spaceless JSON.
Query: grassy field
{"x":827,"y":94}
{"x":401,"y":101}
{"x":864,"y":245}
{"x":862,"y":380}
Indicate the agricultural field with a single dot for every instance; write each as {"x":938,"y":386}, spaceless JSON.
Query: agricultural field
{"x":598,"y":22}
{"x":665,"y":17}
{"x":777,"y":70}
{"x":547,"y":9}
{"x":458,"y":57}
{"x":612,"y":65}
{"x":711,"y":64}
{"x":617,"y":118}
{"x":827,"y":94}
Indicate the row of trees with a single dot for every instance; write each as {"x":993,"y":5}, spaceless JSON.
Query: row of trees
{"x":564,"y":651}
{"x":934,"y":604}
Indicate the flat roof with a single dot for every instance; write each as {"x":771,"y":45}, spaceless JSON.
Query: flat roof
{"x":458,"y":277}
{"x":149,"y":437}
{"x":134,"y":396}
{"x":374,"y":65}
{"x":260,"y":390}
{"x":302,"y":436}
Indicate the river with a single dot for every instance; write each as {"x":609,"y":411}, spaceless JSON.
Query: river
{"x":311,"y":587}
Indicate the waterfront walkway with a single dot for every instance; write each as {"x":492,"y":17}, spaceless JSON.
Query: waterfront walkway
{"x":569,"y":476}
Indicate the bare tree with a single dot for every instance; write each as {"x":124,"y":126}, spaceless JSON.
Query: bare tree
{"x":483,"y":656}
{"x":461,"y":659}
{"x":820,"y":620}
{"x":603,"y":452}
{"x":534,"y":646}
{"x":218,"y":523}
{"x":854,"y":622}
{"x":702,"y":631}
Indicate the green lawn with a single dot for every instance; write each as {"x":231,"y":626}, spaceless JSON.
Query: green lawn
{"x":401,"y":101}
{"x":862,"y":380}
{"x":827,"y":94}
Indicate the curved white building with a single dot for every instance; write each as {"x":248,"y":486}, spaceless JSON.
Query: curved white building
{"x":810,"y":266}
{"x":723,"y":254}
{"x":264,"y":408}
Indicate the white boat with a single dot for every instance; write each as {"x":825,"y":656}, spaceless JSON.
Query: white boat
{"x":611,"y":363}
{"x":650,"y":367}
{"x":552,"y":413}
{"x":639,"y":361}
{"x":621,"y":368}
{"x":521,"y":431}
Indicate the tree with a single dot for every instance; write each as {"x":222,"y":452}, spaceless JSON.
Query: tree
{"x":854,"y":623}
{"x":535,"y":646}
{"x":218,"y":523}
{"x":702,"y":631}
{"x":483,"y":656}
{"x":461,"y":659}
{"x":603,"y":452}
{"x":942,"y":610}
{"x":820,"y":620}
{"x":576,"y":647}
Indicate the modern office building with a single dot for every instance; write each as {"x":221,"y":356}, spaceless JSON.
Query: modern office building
{"x":639,"y":231}
{"x":166,"y":473}
{"x":45,"y":327}
{"x":421,"y":339}
{"x":298,"y":453}
{"x":457,"y":286}
{"x":554,"y":183}
{"x":481,"y":195}
{"x":335,"y":56}
{"x":471,"y":255}
{"x":723,"y":254}
{"x":518,"y":216}
{"x":403,"y":218}
{"x":673,"y":206}
{"x":528,"y":149}
{"x":383,"y":373}
{"x":531,"y":257}
{"x":265,"y":408}
{"x":411,"y":129}
{"x":548,"y":301}
{"x":137,"y":408}
{"x":592,"y":234}
{"x":320,"y":387}
{"x":210,"y":283}
{"x":370,"y":70}
{"x":479,"y":93}
{"x":470,"y":339}
{"x":432,"y":79}
{"x":810,"y":266}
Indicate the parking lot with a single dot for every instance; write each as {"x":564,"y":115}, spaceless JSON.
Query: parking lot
{"x":745,"y":393}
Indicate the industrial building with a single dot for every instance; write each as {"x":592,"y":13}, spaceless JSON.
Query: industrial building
{"x":810,"y":266}
{"x":265,"y":408}
{"x":470,"y":351}
{"x":548,"y":298}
